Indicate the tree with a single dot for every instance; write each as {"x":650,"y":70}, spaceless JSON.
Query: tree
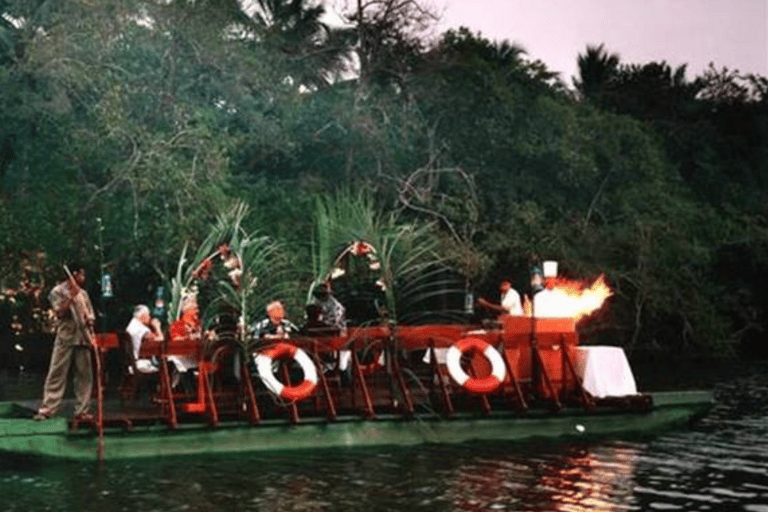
{"x":653,"y":91}
{"x":127,"y":112}
{"x":724,"y":86}
{"x":390,"y":34}
{"x":596,"y":69}
{"x":316,"y":53}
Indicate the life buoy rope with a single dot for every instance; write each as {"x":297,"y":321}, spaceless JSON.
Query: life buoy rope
{"x":479,"y":385}
{"x":285,"y":351}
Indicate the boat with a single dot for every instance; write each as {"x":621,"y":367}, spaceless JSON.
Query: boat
{"x":511,"y":380}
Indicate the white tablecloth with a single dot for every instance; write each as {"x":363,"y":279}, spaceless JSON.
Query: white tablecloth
{"x":440,"y":354}
{"x":605,"y":371}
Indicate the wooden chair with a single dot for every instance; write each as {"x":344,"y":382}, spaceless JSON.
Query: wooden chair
{"x":132,"y":379}
{"x":205,"y":402}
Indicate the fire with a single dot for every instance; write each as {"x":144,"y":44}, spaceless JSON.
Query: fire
{"x":571,"y":298}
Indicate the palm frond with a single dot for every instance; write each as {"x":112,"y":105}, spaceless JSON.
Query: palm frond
{"x":241,"y":272}
{"x":406,"y":253}
{"x":177,"y":286}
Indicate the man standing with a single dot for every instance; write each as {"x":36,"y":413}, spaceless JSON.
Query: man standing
{"x":544,"y":298}
{"x":510,"y":300}
{"x":75,"y":318}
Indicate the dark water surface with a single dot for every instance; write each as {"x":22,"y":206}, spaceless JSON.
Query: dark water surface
{"x":720,"y":463}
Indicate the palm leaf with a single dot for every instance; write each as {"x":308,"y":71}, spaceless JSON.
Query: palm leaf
{"x":407,"y":252}
{"x":177,"y":287}
{"x":249,"y":271}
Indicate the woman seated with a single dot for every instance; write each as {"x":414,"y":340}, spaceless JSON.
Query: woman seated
{"x":185,"y":331}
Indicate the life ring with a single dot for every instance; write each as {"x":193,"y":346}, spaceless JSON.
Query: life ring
{"x":284,"y":351}
{"x":474,"y":384}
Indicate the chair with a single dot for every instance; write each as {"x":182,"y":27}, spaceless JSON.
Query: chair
{"x":206,"y":367}
{"x":316,"y":327}
{"x":132,"y":379}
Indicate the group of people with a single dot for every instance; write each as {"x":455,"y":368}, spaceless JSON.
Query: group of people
{"x":325,"y":311}
{"x":74,"y":337}
{"x":144,"y":328}
{"x":74,"y":334}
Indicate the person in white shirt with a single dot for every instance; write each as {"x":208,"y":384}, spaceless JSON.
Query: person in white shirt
{"x":510,"y":300}
{"x":547,"y":303}
{"x":143,"y":327}
{"x":275,"y":326}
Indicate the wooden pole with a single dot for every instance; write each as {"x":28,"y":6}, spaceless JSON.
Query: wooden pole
{"x":99,"y":404}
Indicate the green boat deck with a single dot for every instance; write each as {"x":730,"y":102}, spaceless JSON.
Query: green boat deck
{"x":55,"y":438}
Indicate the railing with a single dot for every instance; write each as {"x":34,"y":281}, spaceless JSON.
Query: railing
{"x":537,"y":358}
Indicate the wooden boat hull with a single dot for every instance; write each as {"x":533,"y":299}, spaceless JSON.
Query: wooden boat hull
{"x":54,"y":439}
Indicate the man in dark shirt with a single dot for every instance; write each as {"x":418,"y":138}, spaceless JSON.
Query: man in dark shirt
{"x":275,"y":326}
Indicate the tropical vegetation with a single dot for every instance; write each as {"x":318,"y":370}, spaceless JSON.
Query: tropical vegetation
{"x":136,"y":133}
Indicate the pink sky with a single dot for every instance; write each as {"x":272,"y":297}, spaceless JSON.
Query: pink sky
{"x":730,"y":33}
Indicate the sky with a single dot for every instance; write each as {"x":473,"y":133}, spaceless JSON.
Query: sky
{"x":729,"y":33}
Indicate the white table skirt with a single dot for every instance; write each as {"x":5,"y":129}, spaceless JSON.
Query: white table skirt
{"x":440,"y":354}
{"x":605,"y":371}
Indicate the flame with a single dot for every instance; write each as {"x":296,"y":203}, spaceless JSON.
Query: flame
{"x":574,"y":298}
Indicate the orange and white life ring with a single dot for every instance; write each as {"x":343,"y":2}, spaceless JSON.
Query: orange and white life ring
{"x":284,"y":351}
{"x":475,"y":384}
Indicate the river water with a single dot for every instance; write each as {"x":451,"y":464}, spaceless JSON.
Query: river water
{"x":718,"y":463}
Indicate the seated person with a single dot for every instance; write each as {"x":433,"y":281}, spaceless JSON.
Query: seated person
{"x":326,"y":315}
{"x":143,"y":328}
{"x":313,"y":320}
{"x":275,"y":326}
{"x":187,"y":327}
{"x":363,"y":301}
{"x":325,"y":312}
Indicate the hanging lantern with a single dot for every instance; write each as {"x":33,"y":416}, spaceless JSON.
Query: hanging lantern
{"x":469,"y":302}
{"x":106,"y":285}
{"x":158,"y":310}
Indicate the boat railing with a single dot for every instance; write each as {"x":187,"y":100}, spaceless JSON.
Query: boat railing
{"x":373,"y":370}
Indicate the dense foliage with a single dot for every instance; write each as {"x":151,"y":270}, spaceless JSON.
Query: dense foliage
{"x":128,"y":126}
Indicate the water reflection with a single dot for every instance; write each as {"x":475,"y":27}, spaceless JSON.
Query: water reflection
{"x":721,"y":464}
{"x":582,"y":478}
